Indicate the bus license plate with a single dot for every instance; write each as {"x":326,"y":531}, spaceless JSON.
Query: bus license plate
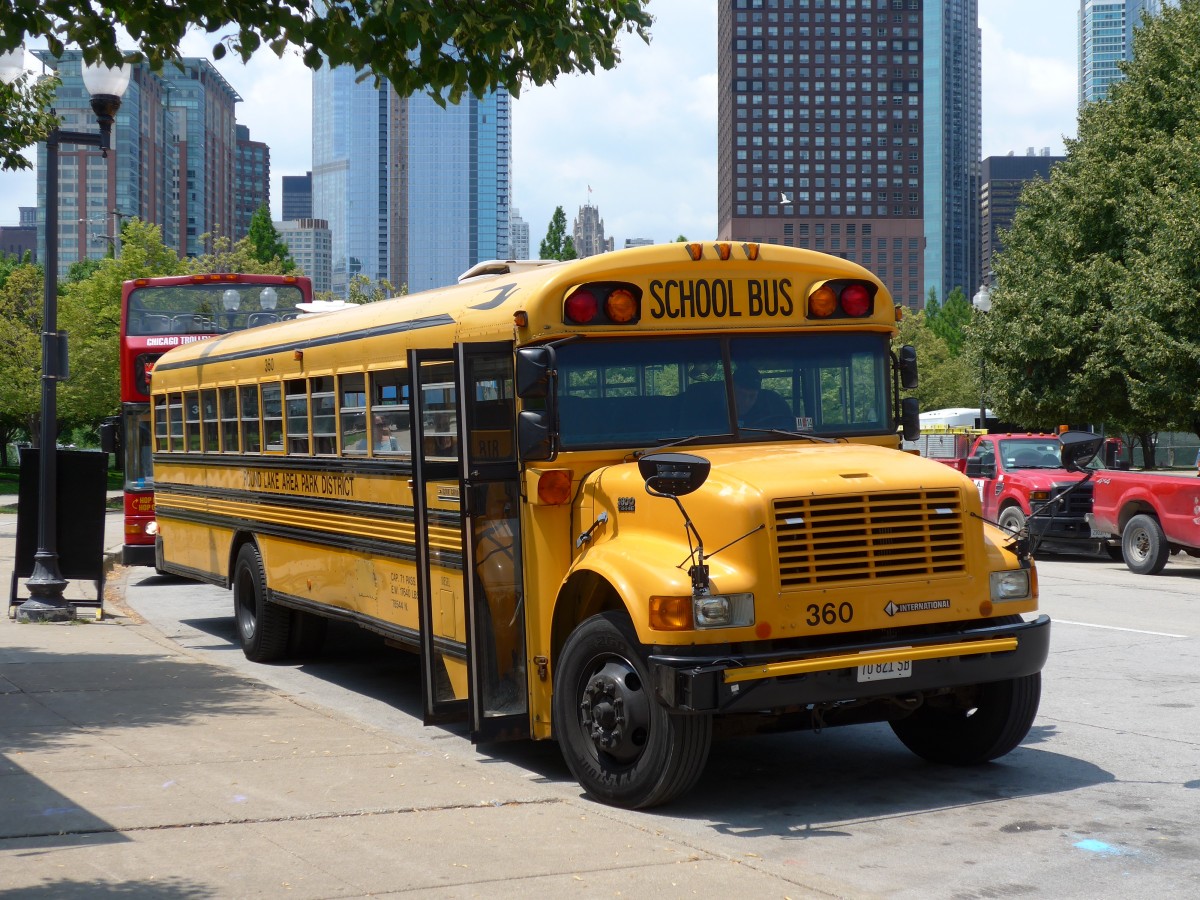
{"x":884,"y":671}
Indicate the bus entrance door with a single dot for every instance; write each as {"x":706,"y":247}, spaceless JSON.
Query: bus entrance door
{"x":498,"y":697}
{"x":437,"y":514}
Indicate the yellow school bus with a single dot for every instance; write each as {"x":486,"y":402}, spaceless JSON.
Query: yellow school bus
{"x":619,"y":502}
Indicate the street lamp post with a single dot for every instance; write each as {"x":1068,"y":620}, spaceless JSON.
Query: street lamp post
{"x":46,"y":602}
{"x":982,"y":301}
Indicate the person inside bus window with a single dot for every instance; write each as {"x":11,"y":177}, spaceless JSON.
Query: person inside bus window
{"x":384,"y":434}
{"x":758,"y":407}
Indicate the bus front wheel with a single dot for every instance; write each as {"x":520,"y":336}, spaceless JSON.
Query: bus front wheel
{"x":981,"y":725}
{"x":622,"y":745}
{"x":263,"y":627}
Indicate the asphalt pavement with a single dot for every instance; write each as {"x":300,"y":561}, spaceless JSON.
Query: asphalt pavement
{"x":130,"y":766}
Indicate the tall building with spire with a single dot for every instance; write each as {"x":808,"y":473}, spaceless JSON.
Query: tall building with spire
{"x":854,"y":127}
{"x":588,"y":232}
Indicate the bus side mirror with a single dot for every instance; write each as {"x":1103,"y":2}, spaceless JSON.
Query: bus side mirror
{"x":673,"y":474}
{"x":535,"y":368}
{"x":977,"y":468}
{"x":910,"y":418}
{"x":908,"y":367}
{"x":1078,"y":449}
{"x":535,"y":437}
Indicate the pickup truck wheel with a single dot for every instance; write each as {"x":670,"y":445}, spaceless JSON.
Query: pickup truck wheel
{"x":975,"y":726}
{"x":1144,"y":545}
{"x":1012,"y":520}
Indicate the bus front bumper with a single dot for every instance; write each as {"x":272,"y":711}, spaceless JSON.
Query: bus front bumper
{"x":137,"y":555}
{"x":769,"y":681}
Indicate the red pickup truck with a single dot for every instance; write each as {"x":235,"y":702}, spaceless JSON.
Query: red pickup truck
{"x":1021,"y":482}
{"x":1148,"y":515}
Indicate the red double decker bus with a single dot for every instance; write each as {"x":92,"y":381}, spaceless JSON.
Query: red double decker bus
{"x":156,"y":315}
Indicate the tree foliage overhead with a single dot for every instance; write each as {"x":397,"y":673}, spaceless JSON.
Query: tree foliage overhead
{"x":443,"y":47}
{"x":25,"y":117}
{"x":1096,"y":310}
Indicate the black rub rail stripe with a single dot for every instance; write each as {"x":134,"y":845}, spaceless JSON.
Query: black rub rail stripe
{"x":353,"y":465}
{"x":410,"y":637}
{"x":209,"y":352}
{"x":164,"y":491}
{"x":389,"y":549}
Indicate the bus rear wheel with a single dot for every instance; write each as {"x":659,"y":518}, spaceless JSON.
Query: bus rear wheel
{"x":621,"y":744}
{"x":964,"y":730}
{"x":263,"y":627}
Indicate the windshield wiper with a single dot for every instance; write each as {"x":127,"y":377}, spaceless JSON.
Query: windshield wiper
{"x":793,"y":434}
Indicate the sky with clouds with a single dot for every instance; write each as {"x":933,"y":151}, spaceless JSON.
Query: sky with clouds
{"x":639,"y":142}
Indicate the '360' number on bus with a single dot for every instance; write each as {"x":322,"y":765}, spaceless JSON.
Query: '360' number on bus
{"x":829,"y":613}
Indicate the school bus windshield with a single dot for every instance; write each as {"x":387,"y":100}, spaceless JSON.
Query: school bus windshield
{"x":618,"y":392}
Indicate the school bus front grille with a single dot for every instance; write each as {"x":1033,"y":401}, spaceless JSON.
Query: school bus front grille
{"x":869,"y":537}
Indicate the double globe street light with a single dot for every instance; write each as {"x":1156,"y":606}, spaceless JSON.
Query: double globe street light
{"x":982,"y":301}
{"x":106,"y":85}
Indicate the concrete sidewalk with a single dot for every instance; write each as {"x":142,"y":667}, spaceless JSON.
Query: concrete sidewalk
{"x":129,"y":766}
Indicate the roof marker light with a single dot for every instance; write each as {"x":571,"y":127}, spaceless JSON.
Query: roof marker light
{"x":751,"y":251}
{"x":724,"y":249}
{"x":695,"y":251}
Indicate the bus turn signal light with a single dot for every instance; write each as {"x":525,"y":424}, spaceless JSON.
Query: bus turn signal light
{"x":671,"y":613}
{"x":554,"y":487}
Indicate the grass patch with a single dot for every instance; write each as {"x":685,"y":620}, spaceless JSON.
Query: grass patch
{"x":10,"y":479}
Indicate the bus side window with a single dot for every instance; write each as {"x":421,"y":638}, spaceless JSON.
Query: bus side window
{"x":272,"y":413}
{"x":389,"y":414}
{"x":208,"y":410}
{"x":160,"y":424}
{"x":324,"y":416}
{"x":353,"y":411}
{"x":297,"y":415}
{"x":229,"y":420}
{"x":250,"y":428}
{"x":191,"y":421}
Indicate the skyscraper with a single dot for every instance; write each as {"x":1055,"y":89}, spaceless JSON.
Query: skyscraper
{"x":413,"y":193}
{"x":1105,"y":38}
{"x":172,"y":161}
{"x":853,"y":127}
{"x":1003,"y":179}
{"x":252,"y":177}
{"x":297,"y":196}
{"x":518,"y":235}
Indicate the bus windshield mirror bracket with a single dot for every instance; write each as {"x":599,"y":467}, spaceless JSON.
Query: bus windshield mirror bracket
{"x":675,"y":475}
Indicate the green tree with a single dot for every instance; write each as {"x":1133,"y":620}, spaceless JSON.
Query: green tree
{"x":947,"y":379}
{"x":224,"y":255}
{"x":90,"y":310}
{"x":26,"y":116}
{"x":1095,"y":312}
{"x":442,"y":47}
{"x":950,"y":320}
{"x":363,"y":291}
{"x":20,"y":351}
{"x":557,"y":244}
{"x":264,"y":240}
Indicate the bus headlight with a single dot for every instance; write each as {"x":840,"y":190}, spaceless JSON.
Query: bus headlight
{"x":723,"y":610}
{"x":1012,"y":584}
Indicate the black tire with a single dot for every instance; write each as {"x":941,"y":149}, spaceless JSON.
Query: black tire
{"x":1012,"y":520}
{"x":263,"y":627}
{"x":1144,"y":545}
{"x":307,"y":635}
{"x":632,"y":753}
{"x":966,"y":731}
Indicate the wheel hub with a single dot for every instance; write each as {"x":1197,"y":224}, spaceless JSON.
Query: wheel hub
{"x":615,"y":711}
